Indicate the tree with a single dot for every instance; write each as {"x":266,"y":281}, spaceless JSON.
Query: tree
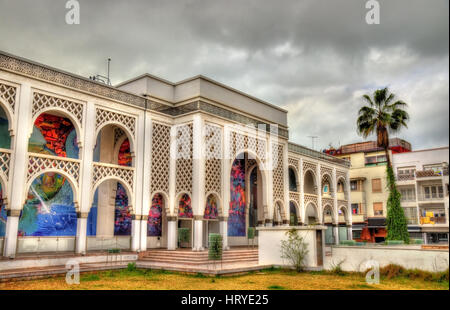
{"x":294,"y":249}
{"x":381,"y":116}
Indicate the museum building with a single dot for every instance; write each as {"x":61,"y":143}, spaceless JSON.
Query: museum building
{"x":85,"y":166}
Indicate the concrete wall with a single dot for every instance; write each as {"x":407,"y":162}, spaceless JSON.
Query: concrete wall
{"x":354,"y":258}
{"x":269,"y":244}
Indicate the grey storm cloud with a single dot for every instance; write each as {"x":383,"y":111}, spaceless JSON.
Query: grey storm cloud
{"x":314,"y":58}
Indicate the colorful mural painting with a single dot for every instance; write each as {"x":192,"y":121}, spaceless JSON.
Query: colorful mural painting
{"x":49,"y":208}
{"x":154,"y":224}
{"x":122,"y":215}
{"x":125,"y":158}
{"x":184,"y":207}
{"x":211,"y":208}
{"x":5,"y":138}
{"x":236,"y":219}
{"x":2,"y":214}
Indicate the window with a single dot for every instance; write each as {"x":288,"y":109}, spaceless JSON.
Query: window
{"x":376,"y":185}
{"x":433,"y":191}
{"x":340,"y":187}
{"x":326,"y":188}
{"x":411,"y":215}
{"x":378,"y":208}
{"x":356,"y":234}
{"x":375,"y":160}
{"x":355,"y":208}
{"x":408,"y":194}
{"x":354,"y":185}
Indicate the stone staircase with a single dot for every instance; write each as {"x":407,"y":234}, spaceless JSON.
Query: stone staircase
{"x":188,"y":258}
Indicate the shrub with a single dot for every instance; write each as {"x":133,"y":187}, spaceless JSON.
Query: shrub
{"x":215,"y":247}
{"x":294,"y":249}
{"x":394,"y":242}
{"x":347,"y":242}
{"x":392,"y":270}
{"x":131,"y":267}
{"x":396,"y":224}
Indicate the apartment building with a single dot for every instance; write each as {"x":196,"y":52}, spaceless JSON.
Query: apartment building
{"x":368,"y":185}
{"x":422,"y":179}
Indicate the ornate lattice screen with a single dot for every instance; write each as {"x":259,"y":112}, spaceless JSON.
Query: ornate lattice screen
{"x":184,"y":148}
{"x":160,"y":158}
{"x":213,"y":156}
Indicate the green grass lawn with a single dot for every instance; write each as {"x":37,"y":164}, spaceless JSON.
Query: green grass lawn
{"x":270,"y":279}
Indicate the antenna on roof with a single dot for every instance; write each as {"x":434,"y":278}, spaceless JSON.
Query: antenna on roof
{"x":312,"y":140}
{"x":101,"y":78}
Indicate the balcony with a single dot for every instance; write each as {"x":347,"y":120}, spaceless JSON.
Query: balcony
{"x":431,"y":173}
{"x":439,"y":220}
{"x":433,"y":197}
{"x":405,"y":177}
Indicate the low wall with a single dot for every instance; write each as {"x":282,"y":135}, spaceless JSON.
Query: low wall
{"x":269,"y":244}
{"x":354,"y":258}
{"x":61,"y":261}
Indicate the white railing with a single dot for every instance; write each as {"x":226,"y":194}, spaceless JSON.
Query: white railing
{"x":45,"y":244}
{"x":431,"y":197}
{"x":103,"y":170}
{"x":94,"y":243}
{"x":39,"y":162}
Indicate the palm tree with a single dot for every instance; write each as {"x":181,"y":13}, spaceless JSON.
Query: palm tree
{"x":382,"y":115}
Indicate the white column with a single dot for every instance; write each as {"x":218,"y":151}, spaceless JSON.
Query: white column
{"x":302,"y":193}
{"x":171,"y":233}
{"x":349,"y":232}
{"x":287,"y":208}
{"x":198,"y":181}
{"x":349,"y":205}
{"x":19,"y":163}
{"x":336,"y":233}
{"x":269,"y":184}
{"x":80,"y":246}
{"x":335,"y":199}
{"x":85,"y":186}
{"x":135,"y":232}
{"x":319,"y":193}
{"x":224,"y":231}
{"x":143,"y":242}
{"x":226,"y":172}
{"x":146,"y":199}
{"x":198,"y":233}
{"x":172,"y":218}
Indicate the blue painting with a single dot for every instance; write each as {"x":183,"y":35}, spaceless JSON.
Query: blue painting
{"x":2,"y":214}
{"x":49,"y":208}
{"x":236,"y":219}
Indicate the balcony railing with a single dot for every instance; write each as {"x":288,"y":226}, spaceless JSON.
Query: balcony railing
{"x":429,"y":173}
{"x":431,"y":197}
{"x":300,"y":149}
{"x":432,"y":220}
{"x":405,"y":177}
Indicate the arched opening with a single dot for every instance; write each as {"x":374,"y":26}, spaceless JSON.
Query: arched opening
{"x":185,"y":222}
{"x":341,"y":190}
{"x":157,"y":223}
{"x":343,"y":221}
{"x":293,"y":214}
{"x":328,"y":219}
{"x":326,"y":186}
{"x":5,"y":137}
{"x":211,"y":218}
{"x":292,"y":180}
{"x":113,"y":146}
{"x":311,"y":215}
{"x":54,"y":134}
{"x":277,"y":214}
{"x":109,"y":222}
{"x":247,"y":201}
{"x":48,"y":212}
{"x":309,"y":184}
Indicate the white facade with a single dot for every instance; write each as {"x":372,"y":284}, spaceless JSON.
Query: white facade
{"x":422,"y":179}
{"x":183,"y":138}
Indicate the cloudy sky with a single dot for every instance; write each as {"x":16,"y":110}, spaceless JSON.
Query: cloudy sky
{"x":314,"y":58}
